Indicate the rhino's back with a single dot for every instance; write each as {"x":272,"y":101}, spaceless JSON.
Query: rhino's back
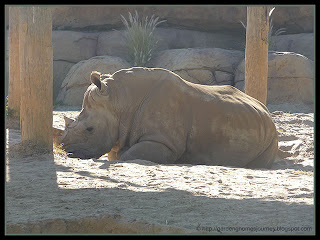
{"x":228,"y":126}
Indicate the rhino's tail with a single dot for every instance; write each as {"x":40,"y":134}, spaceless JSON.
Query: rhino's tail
{"x":266,"y":158}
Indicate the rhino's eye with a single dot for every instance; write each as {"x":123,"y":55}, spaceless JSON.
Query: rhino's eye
{"x":89,"y":129}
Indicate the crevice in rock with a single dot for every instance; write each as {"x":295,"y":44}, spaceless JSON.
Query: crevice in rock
{"x":204,"y":68}
{"x":85,"y":37}
{"x":64,"y":60}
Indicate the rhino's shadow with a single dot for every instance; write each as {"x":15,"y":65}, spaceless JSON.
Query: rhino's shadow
{"x":280,"y":164}
{"x":107,"y":163}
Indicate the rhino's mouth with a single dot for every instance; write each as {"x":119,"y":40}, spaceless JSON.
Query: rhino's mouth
{"x":81,"y":153}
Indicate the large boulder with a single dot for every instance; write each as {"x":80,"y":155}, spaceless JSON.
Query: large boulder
{"x":290,"y":78}
{"x":210,"y":66}
{"x":78,"y":79}
{"x":73,"y":46}
{"x":60,"y":71}
{"x":302,"y":43}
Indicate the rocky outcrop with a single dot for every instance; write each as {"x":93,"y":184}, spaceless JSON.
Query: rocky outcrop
{"x":290,"y":78}
{"x":78,"y":79}
{"x":210,"y":66}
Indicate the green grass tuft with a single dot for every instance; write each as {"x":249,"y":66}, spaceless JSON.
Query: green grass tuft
{"x":140,"y":38}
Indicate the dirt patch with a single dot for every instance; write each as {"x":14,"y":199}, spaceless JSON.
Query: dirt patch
{"x":51,"y":193}
{"x":13,"y":122}
{"x":26,"y":149}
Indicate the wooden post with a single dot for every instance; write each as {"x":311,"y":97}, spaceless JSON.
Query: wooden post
{"x":14,"y":65}
{"x":256,"y":66}
{"x":36,"y":75}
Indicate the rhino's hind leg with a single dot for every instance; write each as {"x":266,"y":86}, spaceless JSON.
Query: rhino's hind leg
{"x":265,"y":159}
{"x":151,"y":151}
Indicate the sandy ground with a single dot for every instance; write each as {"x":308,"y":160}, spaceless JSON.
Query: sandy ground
{"x":51,"y":193}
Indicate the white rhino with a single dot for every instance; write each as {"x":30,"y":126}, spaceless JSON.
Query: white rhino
{"x":153,"y":114}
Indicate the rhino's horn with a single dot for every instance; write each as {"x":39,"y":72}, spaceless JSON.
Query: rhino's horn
{"x":68,"y":121}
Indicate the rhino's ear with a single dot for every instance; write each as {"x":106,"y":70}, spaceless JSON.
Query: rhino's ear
{"x":67,"y":121}
{"x":95,"y":78}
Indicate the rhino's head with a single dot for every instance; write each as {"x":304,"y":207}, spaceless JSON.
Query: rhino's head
{"x":95,"y":131}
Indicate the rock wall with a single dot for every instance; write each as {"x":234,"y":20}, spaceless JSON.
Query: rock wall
{"x":296,"y":19}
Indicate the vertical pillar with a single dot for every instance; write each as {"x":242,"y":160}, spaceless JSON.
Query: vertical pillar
{"x":256,"y":65}
{"x":36,"y":75}
{"x":14,"y":65}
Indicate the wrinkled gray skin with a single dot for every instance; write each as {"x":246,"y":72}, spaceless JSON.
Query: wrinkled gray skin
{"x":153,"y":114}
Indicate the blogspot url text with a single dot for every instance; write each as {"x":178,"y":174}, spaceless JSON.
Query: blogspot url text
{"x":276,"y":229}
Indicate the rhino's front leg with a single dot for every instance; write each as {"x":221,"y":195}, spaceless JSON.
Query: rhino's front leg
{"x":115,"y":155}
{"x":112,"y":155}
{"x":151,"y":151}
